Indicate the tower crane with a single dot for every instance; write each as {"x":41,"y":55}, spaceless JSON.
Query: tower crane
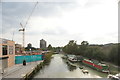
{"x":24,"y":26}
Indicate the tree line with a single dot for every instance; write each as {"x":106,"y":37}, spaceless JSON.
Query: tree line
{"x":107,"y":52}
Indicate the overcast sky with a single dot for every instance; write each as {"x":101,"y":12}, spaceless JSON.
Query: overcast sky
{"x":95,"y":21}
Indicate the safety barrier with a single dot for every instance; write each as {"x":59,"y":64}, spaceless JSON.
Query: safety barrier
{"x":28,"y":58}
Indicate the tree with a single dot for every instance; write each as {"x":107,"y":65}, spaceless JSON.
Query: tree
{"x":114,"y":56}
{"x":109,"y":52}
{"x":30,"y":48}
{"x":71,"y":47}
{"x":83,"y":47}
{"x":49,"y":47}
{"x":118,"y":54}
{"x":84,"y":43}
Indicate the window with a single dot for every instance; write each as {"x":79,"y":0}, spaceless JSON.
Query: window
{"x":4,"y":49}
{"x":10,"y":49}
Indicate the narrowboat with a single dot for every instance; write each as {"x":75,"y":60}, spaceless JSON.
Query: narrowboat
{"x":96,"y":65}
{"x":114,"y":77}
{"x":72,"y":58}
{"x":79,"y":58}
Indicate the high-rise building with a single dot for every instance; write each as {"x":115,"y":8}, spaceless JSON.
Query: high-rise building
{"x":43,"y":44}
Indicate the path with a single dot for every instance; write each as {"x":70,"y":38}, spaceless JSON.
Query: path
{"x":19,"y":71}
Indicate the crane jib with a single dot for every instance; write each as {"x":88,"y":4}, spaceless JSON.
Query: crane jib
{"x":21,"y":29}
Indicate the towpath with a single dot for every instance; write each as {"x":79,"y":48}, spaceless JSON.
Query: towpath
{"x":19,"y":71}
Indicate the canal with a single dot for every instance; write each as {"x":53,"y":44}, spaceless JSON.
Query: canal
{"x":61,"y":68}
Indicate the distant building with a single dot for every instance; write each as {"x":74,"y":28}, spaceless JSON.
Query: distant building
{"x":29,"y":45}
{"x":18,"y":48}
{"x":43,"y":44}
{"x":7,"y":53}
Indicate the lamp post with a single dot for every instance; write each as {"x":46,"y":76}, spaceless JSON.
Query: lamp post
{"x":30,"y":54}
{"x":30,"y":51}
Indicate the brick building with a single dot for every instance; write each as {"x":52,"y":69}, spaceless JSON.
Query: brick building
{"x":7,"y":53}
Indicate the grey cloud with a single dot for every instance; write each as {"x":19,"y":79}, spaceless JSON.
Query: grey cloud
{"x":14,"y":12}
{"x":9,"y":23}
{"x":119,"y":22}
{"x":10,"y":16}
{"x":57,"y":31}
{"x":38,"y":0}
{"x":16,"y":8}
{"x":92,"y":3}
{"x":52,"y":9}
{"x":0,"y":19}
{"x":24,"y":9}
{"x":52,"y":32}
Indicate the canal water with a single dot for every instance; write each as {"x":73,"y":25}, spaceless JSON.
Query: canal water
{"x":61,"y":68}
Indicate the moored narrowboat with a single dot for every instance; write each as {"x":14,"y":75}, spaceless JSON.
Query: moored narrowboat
{"x":96,"y":65}
{"x":72,"y":58}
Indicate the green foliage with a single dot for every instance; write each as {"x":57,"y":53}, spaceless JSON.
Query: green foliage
{"x":28,"y":48}
{"x":83,"y":48}
{"x":49,"y":47}
{"x":84,"y":43}
{"x":118,"y":54}
{"x":107,"y":52}
{"x":71,"y":47}
{"x":47,"y":58}
{"x":114,"y":56}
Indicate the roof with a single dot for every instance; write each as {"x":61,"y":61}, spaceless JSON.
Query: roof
{"x":4,"y":41}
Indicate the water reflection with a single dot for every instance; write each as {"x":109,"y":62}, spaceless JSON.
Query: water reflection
{"x":60,"y":68}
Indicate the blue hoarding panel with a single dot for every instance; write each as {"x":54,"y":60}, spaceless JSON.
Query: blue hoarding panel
{"x":29,"y":58}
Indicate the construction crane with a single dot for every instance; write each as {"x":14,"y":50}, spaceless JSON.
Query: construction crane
{"x":23,"y":30}
{"x":24,"y":26}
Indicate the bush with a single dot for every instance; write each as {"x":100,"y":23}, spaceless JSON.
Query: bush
{"x":47,"y":58}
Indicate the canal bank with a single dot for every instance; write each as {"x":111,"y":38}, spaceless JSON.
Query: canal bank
{"x":47,"y":58}
{"x":58,"y":68}
{"x":20,"y":71}
{"x":26,"y":72}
